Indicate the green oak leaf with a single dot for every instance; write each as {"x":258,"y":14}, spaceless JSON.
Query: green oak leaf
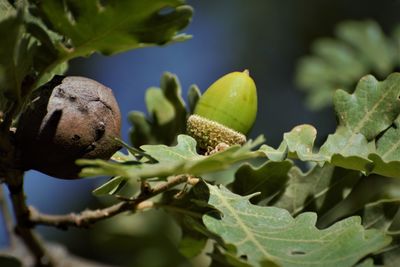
{"x":270,"y":233}
{"x":388,"y":145}
{"x":110,"y":187}
{"x":363,"y":141}
{"x":348,"y":150}
{"x":115,"y":26}
{"x":371,"y":108}
{"x":194,"y":95}
{"x":158,"y":106}
{"x":360,"y":47}
{"x":167,"y":114}
{"x":382,"y":214}
{"x":184,"y":150}
{"x":368,"y":190}
{"x":374,"y":48}
{"x":387,"y":156}
{"x":187,"y":211}
{"x":317,"y":190}
{"x":300,"y":141}
{"x":16,"y":56}
{"x":278,"y":154}
{"x":268,"y":179}
{"x":228,"y":258}
{"x":346,"y":143}
{"x":142,"y":130}
{"x":180,"y":159}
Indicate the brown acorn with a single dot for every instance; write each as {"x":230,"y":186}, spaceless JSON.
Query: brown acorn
{"x":67,"y":119}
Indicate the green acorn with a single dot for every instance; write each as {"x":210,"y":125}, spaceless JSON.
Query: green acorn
{"x":226,"y":111}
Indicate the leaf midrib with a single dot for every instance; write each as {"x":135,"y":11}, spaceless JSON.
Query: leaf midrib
{"x":243,"y":226}
{"x":361,"y":123}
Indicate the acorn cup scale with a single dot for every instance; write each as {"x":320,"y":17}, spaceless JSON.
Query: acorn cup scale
{"x":68,"y":118}
{"x":226,"y":111}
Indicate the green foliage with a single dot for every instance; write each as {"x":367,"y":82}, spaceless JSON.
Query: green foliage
{"x":16,"y":54}
{"x":40,"y":37}
{"x":271,"y":234}
{"x":360,"y":48}
{"x":114,"y":26}
{"x":268,"y":179}
{"x":180,"y":159}
{"x":167,"y":113}
{"x":336,"y":186}
{"x":251,"y":205}
{"x":319,"y":190}
{"x":365,"y":139}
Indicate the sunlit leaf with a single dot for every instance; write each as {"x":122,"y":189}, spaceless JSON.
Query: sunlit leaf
{"x":180,"y":159}
{"x":363,"y":141}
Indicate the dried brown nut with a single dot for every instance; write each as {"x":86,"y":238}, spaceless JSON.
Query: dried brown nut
{"x":68,"y":118}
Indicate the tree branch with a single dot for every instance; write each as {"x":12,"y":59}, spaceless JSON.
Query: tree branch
{"x":88,"y":217}
{"x":23,"y":229}
{"x":13,"y":178}
{"x":7,"y":217}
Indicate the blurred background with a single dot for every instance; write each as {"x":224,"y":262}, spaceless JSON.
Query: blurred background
{"x":265,"y":36}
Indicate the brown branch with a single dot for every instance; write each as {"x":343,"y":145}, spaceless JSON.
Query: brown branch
{"x":88,"y":217}
{"x":14,"y":181}
{"x":7,"y":217}
{"x":23,"y":229}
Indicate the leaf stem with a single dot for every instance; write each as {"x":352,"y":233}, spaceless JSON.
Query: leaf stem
{"x":88,"y":217}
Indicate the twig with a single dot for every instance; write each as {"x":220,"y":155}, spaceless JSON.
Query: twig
{"x":23,"y":229}
{"x":14,"y":181}
{"x":7,"y":217}
{"x":88,"y":217}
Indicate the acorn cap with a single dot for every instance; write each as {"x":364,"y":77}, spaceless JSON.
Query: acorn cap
{"x":209,"y":134}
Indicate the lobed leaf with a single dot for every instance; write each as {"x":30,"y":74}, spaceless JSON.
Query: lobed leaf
{"x":318,"y":190}
{"x":270,"y":233}
{"x":385,"y":189}
{"x":363,"y":141}
{"x":371,"y":108}
{"x":115,"y":26}
{"x":268,"y":179}
{"x":360,"y":47}
{"x":167,"y":114}
{"x":16,"y":55}
{"x":180,"y":159}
